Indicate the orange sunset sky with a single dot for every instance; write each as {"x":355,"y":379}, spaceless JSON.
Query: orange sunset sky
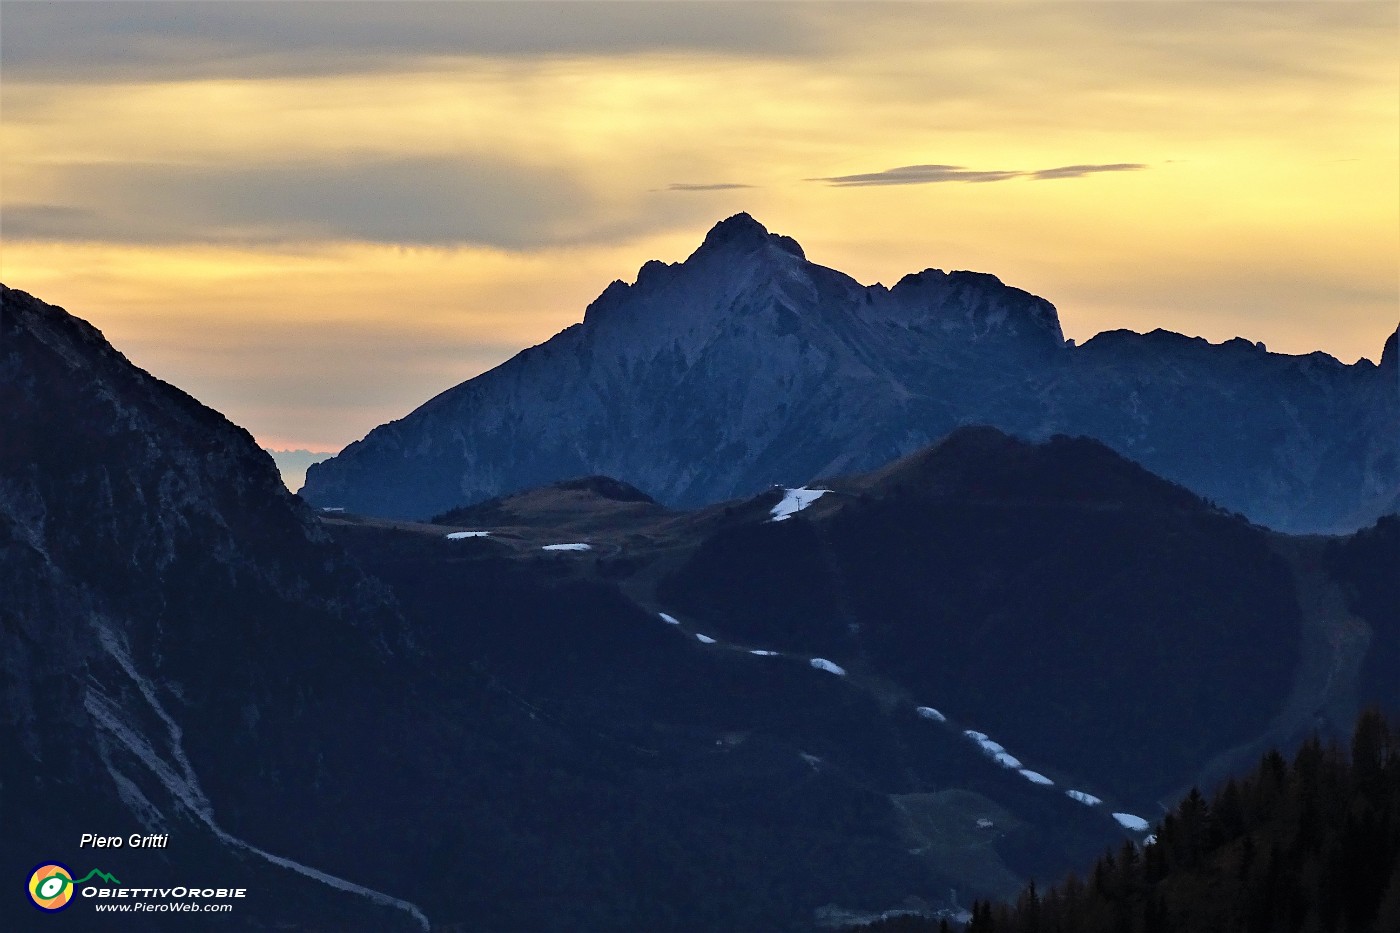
{"x":315,"y":216}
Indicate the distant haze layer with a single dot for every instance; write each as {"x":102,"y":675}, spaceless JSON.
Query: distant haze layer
{"x":292,"y":464}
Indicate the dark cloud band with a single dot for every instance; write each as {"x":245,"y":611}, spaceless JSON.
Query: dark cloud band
{"x":422,"y":201}
{"x":717,"y":186}
{"x":142,"y":41}
{"x":470,"y":200}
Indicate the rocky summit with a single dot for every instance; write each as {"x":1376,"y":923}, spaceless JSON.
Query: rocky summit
{"x":748,"y":365}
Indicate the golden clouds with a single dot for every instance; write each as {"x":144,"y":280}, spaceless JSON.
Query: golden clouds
{"x":460,"y":180}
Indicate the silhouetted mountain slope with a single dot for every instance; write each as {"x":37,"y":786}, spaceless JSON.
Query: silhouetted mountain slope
{"x":1368,"y":565}
{"x":719,"y":767}
{"x":747,"y":365}
{"x":983,"y":464}
{"x":1121,"y":637}
{"x":178,"y":637}
{"x":1063,"y":599}
{"x":1117,"y":633}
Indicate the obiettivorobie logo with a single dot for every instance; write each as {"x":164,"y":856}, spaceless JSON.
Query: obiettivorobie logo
{"x":51,"y":885}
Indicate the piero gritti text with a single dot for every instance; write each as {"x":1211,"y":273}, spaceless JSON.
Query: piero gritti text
{"x":134,"y":841}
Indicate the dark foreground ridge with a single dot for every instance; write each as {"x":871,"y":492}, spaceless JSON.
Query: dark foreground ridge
{"x":181,"y":645}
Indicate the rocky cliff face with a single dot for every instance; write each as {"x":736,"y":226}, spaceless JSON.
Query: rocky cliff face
{"x":747,"y":365}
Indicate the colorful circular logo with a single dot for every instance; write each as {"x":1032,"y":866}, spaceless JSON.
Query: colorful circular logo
{"x":51,"y":886}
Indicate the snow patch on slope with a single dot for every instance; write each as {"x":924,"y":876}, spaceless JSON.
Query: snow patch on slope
{"x":794,"y":501}
{"x":1135,"y":823}
{"x":994,"y":750}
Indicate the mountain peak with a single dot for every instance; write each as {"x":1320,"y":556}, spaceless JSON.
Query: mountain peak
{"x":979,"y":305}
{"x":983,"y":462}
{"x":741,"y":227}
{"x":743,"y":232}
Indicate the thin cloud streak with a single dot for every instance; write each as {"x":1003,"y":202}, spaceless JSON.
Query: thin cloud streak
{"x":1078,"y":171}
{"x":937,"y":174}
{"x":719,"y":186}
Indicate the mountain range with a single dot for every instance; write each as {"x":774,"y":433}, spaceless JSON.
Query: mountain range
{"x":748,"y":365}
{"x":577,"y":708}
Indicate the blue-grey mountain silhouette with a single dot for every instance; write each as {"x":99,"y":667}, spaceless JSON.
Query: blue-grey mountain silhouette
{"x":748,"y":365}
